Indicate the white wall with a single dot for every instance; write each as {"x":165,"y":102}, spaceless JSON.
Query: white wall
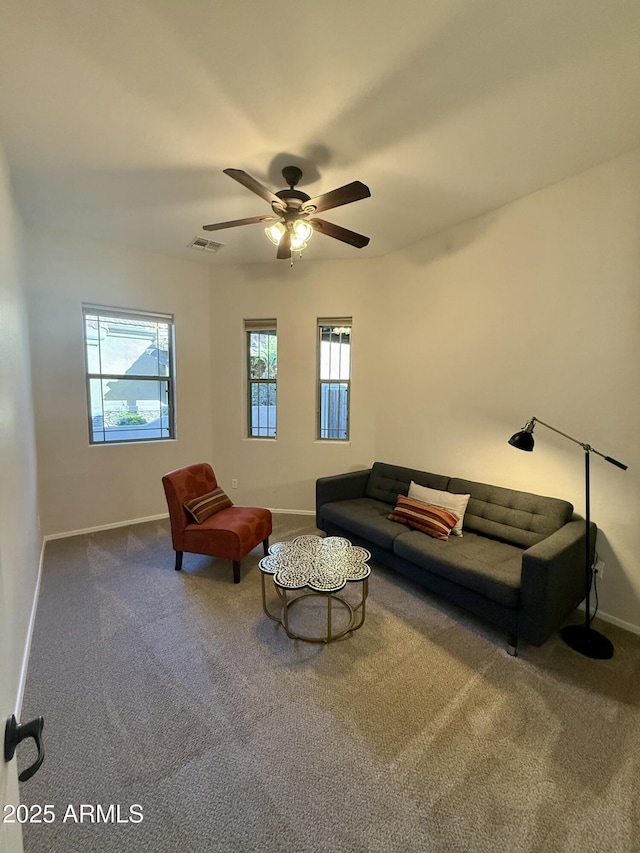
{"x":281,"y":473}
{"x":83,"y":486}
{"x":19,"y":536}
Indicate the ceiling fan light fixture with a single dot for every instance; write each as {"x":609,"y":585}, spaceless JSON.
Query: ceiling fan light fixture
{"x":274,"y":232}
{"x":301,"y":231}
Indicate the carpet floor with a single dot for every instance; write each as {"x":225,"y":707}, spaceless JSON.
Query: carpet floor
{"x":171,"y":697}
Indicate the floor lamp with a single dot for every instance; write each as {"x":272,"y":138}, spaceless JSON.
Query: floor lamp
{"x":581,"y":638}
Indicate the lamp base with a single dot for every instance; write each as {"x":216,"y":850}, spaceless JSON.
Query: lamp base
{"x":587,"y":642}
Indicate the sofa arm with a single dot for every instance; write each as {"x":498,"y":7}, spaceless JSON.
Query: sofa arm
{"x":553,"y":580}
{"x":341,"y":487}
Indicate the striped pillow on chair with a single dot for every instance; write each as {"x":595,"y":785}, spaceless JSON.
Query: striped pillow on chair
{"x":202,"y":508}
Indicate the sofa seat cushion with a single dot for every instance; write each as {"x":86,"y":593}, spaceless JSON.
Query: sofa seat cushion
{"x":486,"y":566}
{"x":364,"y":517}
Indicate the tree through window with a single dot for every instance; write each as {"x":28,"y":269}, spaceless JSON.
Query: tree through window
{"x":262,"y":375}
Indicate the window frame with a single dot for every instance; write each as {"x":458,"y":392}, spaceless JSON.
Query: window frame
{"x":336,"y":323}
{"x":270,"y":327}
{"x":107,"y":312}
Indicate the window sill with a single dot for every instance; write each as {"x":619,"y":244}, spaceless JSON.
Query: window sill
{"x":130,"y":443}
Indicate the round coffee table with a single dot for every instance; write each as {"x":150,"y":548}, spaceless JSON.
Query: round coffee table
{"x":319,"y":567}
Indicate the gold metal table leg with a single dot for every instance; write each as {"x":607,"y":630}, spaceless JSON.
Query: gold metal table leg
{"x":288,"y":603}
{"x":264,"y":602}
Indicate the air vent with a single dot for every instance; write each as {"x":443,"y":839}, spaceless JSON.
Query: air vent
{"x":205,"y":245}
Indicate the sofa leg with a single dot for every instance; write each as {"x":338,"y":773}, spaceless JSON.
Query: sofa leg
{"x":265,"y":546}
{"x":236,"y":571}
{"x":179,"y":555}
{"x":512,"y":648}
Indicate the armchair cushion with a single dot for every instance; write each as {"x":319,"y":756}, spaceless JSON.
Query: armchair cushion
{"x":229,"y":534}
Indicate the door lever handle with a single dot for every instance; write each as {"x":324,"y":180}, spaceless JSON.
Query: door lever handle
{"x":14,"y":733}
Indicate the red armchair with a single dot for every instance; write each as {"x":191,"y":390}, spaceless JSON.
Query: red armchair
{"x":230,"y":533}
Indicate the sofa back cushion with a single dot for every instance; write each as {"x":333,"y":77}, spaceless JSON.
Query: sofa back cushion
{"x":519,"y":518}
{"x":386,"y":481}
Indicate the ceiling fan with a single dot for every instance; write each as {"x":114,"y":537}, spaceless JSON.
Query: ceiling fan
{"x":292,"y":210}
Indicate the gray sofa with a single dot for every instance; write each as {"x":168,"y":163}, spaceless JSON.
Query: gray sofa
{"x":519,"y":563}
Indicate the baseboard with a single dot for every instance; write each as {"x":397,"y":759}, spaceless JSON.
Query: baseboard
{"x":22,"y":681}
{"x":130,"y":521}
{"x":105,"y":527}
{"x":619,"y":623}
{"x":613,"y":620}
{"x":292,"y":511}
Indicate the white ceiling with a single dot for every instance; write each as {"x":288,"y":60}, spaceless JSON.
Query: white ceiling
{"x":118,"y":117}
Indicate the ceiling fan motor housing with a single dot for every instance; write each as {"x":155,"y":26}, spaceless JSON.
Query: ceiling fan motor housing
{"x":293,"y":196}
{"x":292,"y":175}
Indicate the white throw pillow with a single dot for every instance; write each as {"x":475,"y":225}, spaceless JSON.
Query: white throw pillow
{"x":457,"y":504}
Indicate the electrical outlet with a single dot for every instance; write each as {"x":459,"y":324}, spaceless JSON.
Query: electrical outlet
{"x":598,"y":569}
{"x":234,"y":484}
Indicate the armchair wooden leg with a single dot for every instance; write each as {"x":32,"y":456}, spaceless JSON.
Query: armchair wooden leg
{"x":179,"y":555}
{"x":265,"y":546}
{"x":236,"y":571}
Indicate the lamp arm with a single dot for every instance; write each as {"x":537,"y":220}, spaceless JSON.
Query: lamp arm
{"x":586,"y":447}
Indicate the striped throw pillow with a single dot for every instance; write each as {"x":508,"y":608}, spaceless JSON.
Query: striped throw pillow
{"x":207,"y":505}
{"x":435,"y":521}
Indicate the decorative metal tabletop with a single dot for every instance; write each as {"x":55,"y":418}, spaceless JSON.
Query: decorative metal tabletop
{"x":323,"y":564}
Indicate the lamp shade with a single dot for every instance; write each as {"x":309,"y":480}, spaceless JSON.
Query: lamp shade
{"x":523,"y":440}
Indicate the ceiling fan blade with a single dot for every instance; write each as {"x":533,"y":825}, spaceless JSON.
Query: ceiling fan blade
{"x":253,"y":185}
{"x":343,"y":195}
{"x":232,"y":224}
{"x":284,"y":246}
{"x":340,"y":233}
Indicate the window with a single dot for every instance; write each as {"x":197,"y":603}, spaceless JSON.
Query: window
{"x":334,"y":379}
{"x":262,"y":371}
{"x":129,"y":367}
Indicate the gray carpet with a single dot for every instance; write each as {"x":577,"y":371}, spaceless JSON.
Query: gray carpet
{"x":417,"y":733}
